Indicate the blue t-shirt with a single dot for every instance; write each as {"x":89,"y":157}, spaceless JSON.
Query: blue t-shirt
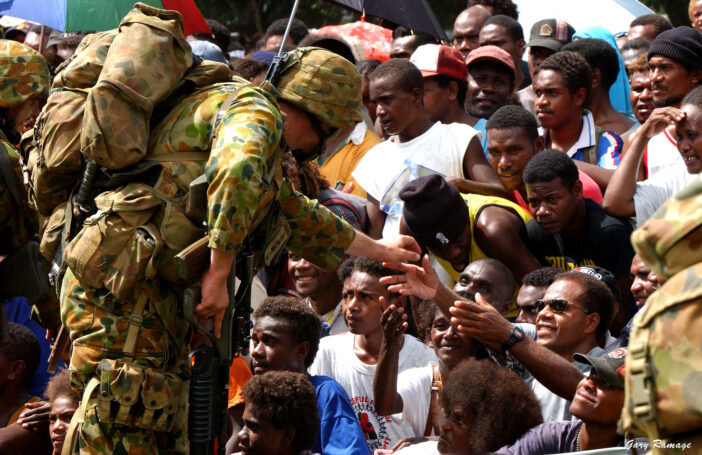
{"x":480,"y":126}
{"x":18,"y":311}
{"x":339,"y":430}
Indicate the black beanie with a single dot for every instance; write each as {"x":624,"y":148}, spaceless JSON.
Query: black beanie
{"x":434,"y":211}
{"x":681,"y":44}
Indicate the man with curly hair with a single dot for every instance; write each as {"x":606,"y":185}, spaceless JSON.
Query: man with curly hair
{"x":280,"y":415}
{"x":285,"y":337}
{"x":486,"y":407}
{"x":351,"y":358}
{"x":562,"y":87}
{"x":64,"y":401}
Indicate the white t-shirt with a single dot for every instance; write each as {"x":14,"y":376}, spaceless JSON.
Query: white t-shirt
{"x":386,"y":168}
{"x":423,"y":448}
{"x":652,"y":193}
{"x":336,"y":359}
{"x":662,"y":153}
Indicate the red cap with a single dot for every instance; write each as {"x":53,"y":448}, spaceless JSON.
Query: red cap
{"x":492,"y":53}
{"x":436,"y":59}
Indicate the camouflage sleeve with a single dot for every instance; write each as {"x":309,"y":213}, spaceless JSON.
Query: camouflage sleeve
{"x":14,"y":230}
{"x":248,"y":134}
{"x":317,"y":234}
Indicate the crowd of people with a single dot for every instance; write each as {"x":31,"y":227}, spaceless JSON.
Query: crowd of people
{"x":458,"y":251}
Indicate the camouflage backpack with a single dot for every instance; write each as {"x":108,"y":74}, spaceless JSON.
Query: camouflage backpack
{"x":100,"y":108}
{"x":664,"y":365}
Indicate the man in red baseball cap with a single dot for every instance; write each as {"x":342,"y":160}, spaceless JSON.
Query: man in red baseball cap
{"x":444,"y":72}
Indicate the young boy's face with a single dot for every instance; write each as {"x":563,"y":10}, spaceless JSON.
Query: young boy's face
{"x":689,"y":136}
{"x":394,"y":106}
{"x":259,"y":436}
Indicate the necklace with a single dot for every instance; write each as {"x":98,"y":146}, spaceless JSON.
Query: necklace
{"x":577,"y":440}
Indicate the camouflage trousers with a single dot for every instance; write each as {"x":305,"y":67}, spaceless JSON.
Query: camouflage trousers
{"x":140,"y":404}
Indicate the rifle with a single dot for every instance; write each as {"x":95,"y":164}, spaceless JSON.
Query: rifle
{"x":209,"y":383}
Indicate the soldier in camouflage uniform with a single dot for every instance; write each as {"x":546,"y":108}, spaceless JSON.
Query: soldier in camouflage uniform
{"x":24,"y":87}
{"x":120,"y":297}
{"x":664,"y":365}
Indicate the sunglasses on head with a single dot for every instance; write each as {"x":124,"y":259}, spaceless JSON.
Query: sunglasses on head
{"x":558,"y":305}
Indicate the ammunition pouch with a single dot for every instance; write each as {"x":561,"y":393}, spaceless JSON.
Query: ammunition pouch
{"x":139,"y":397}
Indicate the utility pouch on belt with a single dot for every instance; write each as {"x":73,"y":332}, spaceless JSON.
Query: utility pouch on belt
{"x":118,"y":246}
{"x":136,"y":396}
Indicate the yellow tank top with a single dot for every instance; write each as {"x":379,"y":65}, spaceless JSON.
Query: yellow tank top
{"x":476,"y":203}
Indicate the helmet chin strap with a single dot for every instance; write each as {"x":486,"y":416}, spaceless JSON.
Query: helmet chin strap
{"x":300,"y":156}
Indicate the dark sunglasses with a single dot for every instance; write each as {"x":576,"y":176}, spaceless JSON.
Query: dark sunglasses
{"x":558,"y":305}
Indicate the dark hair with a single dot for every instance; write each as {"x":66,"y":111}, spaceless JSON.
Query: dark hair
{"x":505,"y":7}
{"x":285,"y":399}
{"x":640,"y":65}
{"x":70,"y":42}
{"x":660,"y":23}
{"x":424,"y":312}
{"x":365,"y":67}
{"x":419,"y":37}
{"x":541,"y":278}
{"x":693,"y":97}
{"x":60,"y":386}
{"x":305,"y":176}
{"x":23,"y":345}
{"x":499,"y":404}
{"x":302,"y":322}
{"x":572,"y":67}
{"x":444,"y":81}
{"x":638,"y":43}
{"x":222,"y":35}
{"x":298,"y":29}
{"x":597,"y":298}
{"x":512,"y":116}
{"x":365,"y":265}
{"x":247,"y":68}
{"x":331,"y":42}
{"x":401,"y":72}
{"x":511,"y":26}
{"x":599,"y":55}
{"x":547,"y":165}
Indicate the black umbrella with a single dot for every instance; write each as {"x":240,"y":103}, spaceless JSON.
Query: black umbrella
{"x":413,"y":14}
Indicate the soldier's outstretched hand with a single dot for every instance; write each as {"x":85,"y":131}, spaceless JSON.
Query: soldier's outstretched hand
{"x":401,"y":249}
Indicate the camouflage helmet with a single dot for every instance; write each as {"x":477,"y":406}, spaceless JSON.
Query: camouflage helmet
{"x":323,"y":84}
{"x":670,"y":240}
{"x":24,"y":74}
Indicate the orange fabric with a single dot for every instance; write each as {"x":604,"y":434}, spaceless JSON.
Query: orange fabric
{"x":337,"y":168}
{"x":239,"y":373}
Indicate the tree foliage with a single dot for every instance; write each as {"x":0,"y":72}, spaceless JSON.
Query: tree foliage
{"x":251,"y":17}
{"x":676,"y":10}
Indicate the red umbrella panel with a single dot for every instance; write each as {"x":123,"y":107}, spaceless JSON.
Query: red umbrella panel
{"x":374,"y":39}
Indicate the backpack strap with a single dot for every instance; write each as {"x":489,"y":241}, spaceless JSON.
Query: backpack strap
{"x":590,"y":153}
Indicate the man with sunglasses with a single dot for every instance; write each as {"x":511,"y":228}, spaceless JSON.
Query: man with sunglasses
{"x":574,"y":316}
{"x":596,"y":405}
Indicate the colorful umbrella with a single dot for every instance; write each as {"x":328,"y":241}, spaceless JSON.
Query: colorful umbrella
{"x":374,"y":39}
{"x":416,"y":15}
{"x":88,"y":15}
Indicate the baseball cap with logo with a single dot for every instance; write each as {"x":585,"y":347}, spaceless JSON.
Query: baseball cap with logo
{"x":439,"y":60}
{"x":604,"y":276}
{"x":493,"y":53}
{"x":610,"y":366}
{"x":551,"y":34}
{"x":434,"y":211}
